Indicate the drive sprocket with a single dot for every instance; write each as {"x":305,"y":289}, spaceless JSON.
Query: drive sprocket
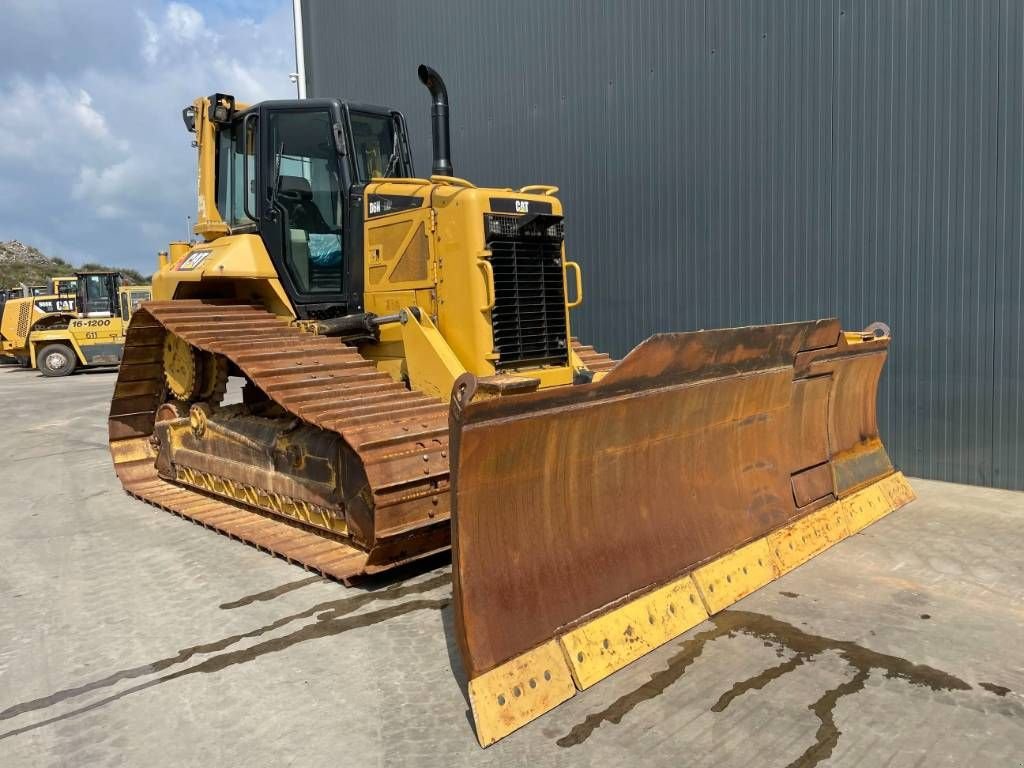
{"x":182,"y":368}
{"x":193,"y":374}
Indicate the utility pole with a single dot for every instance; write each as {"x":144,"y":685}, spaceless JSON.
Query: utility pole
{"x":299,"y":75}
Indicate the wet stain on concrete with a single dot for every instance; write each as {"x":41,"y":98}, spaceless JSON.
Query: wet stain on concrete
{"x":757,"y":682}
{"x":330,"y":620}
{"x":270,"y":594}
{"x":690,"y":651}
{"x":789,"y":594}
{"x":827,"y":735}
{"x":998,"y":690}
{"x":318,"y":629}
{"x":804,"y":647}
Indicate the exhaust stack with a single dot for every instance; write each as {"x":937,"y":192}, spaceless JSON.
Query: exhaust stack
{"x":438,"y":119}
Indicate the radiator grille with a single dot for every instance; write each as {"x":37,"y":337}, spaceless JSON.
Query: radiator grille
{"x":528,"y":319}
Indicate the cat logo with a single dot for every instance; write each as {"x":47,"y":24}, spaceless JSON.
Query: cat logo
{"x":55,"y":305}
{"x":522,"y":206}
{"x":193,"y":260}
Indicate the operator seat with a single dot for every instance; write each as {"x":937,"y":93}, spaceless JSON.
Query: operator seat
{"x":296,"y":196}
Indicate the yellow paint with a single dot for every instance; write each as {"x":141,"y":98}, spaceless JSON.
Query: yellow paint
{"x":135,"y":449}
{"x":464,"y":287}
{"x":866,"y":506}
{"x":624,"y":634}
{"x":399,"y":249}
{"x":518,"y":691}
{"x":180,"y":367}
{"x":176,"y":252}
{"x":578,"y":275}
{"x":799,"y":542}
{"x":431,"y":364}
{"x":209,"y":224}
{"x":734,"y":576}
{"x":860,"y":337}
{"x":254,"y":496}
{"x":235,"y":266}
{"x":898,"y":490}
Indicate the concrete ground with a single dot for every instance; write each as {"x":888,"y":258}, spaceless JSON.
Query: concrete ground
{"x":131,"y":637}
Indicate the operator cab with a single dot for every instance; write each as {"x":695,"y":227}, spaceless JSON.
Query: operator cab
{"x":294,"y":172}
{"x":97,"y":294}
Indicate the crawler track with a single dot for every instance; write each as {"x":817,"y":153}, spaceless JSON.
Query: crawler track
{"x":401,"y":436}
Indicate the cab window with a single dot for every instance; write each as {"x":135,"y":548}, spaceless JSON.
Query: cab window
{"x":307,"y":193}
{"x":377,"y":151}
{"x":99,"y":294}
{"x":234,"y":153}
{"x":137,"y":298}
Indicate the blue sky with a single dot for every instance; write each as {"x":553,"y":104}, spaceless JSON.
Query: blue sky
{"x":95,"y":164}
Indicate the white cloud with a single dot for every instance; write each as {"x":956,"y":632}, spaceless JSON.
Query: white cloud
{"x":90,"y":126}
{"x":30,"y":135}
{"x":178,"y":25}
{"x":185,"y":22}
{"x":150,"y":39}
{"x":87,"y":118}
{"x":112,"y":190}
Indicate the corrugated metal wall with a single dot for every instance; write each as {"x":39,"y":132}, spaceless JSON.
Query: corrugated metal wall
{"x":733,"y":162}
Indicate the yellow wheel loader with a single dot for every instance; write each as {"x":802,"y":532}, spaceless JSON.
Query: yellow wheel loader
{"x":30,"y":309}
{"x":411,"y":383}
{"x":90,"y":334}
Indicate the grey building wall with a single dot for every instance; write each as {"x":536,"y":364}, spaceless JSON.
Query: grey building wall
{"x":734,"y":162}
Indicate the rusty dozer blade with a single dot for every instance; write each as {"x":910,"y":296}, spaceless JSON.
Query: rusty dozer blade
{"x":593,"y":523}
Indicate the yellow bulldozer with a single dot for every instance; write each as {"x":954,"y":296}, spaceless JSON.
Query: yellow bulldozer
{"x":410,"y":383}
{"x":80,"y":324}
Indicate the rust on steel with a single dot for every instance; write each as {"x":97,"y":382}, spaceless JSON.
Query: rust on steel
{"x":392,"y":485}
{"x":567,"y":501}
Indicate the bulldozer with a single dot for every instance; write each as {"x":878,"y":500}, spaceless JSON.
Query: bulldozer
{"x":410,"y":384}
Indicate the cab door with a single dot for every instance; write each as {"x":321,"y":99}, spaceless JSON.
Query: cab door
{"x":303,"y":183}
{"x":99,"y":328}
{"x":97,"y":295}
